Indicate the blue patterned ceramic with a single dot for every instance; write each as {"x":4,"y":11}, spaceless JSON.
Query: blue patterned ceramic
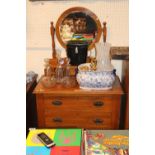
{"x":98,"y":80}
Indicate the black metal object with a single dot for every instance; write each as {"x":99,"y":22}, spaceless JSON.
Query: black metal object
{"x":57,"y":120}
{"x":57,"y":103}
{"x":77,"y":52}
{"x":98,"y":103}
{"x":98,"y":121}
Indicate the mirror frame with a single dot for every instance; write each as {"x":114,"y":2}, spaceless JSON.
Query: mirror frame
{"x":78,"y":9}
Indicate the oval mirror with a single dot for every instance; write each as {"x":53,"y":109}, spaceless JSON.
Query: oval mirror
{"x":79,"y":24}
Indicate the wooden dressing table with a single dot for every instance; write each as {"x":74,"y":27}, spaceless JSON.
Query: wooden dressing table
{"x":60,"y":107}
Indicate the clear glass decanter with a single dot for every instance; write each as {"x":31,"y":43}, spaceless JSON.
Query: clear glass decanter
{"x":68,"y":81}
{"x":60,"y":71}
{"x":48,"y":80}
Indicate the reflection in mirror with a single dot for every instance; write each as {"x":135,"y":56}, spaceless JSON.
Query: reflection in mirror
{"x":78,"y":24}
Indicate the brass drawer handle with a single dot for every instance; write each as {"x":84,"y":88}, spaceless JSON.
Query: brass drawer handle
{"x":57,"y":103}
{"x":98,"y":103}
{"x":98,"y":121}
{"x":57,"y":120}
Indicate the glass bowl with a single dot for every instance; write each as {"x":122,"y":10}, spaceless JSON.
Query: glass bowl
{"x":48,"y":81}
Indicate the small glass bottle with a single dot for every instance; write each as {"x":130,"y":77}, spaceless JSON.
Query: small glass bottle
{"x":68,"y":80}
{"x":47,"y":68}
{"x":48,"y":80}
{"x":60,"y":71}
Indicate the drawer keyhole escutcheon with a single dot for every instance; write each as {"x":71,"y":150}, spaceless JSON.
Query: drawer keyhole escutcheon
{"x":98,"y":103}
{"x":57,"y":103}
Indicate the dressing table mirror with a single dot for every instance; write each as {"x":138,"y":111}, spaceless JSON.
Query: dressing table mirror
{"x":78,"y":23}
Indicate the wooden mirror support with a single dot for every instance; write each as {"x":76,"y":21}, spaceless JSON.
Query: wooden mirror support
{"x":52,"y":30}
{"x":54,"y":59}
{"x":80,"y":21}
{"x":104,"y":32}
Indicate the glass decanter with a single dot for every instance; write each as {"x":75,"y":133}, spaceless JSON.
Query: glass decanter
{"x":48,"y":79}
{"x":60,"y":71}
{"x":68,"y":81}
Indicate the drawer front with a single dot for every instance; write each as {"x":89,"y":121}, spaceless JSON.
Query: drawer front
{"x":81,"y":112}
{"x":104,"y":104}
{"x":60,"y":103}
{"x":96,"y":120}
{"x":78,"y":119}
{"x":64,"y":119}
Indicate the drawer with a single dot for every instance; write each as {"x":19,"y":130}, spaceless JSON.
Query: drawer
{"x":62,"y":119}
{"x":61,"y":103}
{"x":104,"y":104}
{"x":96,"y":120}
{"x":78,"y":119}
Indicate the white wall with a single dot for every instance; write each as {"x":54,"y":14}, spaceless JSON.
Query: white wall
{"x":40,"y":14}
